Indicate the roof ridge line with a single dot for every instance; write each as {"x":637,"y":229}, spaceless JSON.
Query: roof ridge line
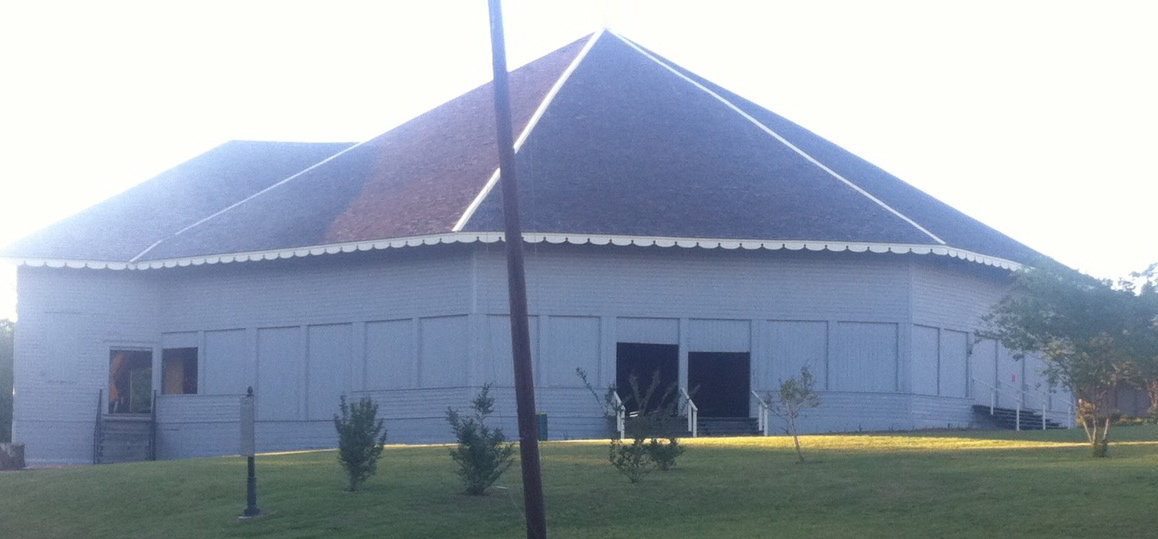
{"x":531,"y":123}
{"x":216,"y":214}
{"x":780,"y":138}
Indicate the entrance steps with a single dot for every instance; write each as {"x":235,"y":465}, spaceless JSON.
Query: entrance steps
{"x":1006,"y":418}
{"x":123,"y":438}
{"x":728,"y":426}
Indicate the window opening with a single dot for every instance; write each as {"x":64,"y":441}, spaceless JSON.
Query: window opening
{"x":130,"y":381}
{"x":179,"y":371}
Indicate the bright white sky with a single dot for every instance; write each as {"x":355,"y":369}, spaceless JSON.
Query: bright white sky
{"x":1036,"y":117}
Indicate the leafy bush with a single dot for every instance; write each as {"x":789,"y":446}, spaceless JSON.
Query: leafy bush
{"x":361,"y":436}
{"x":664,"y":455}
{"x":656,"y":416}
{"x":482,"y":453}
{"x":631,"y":459}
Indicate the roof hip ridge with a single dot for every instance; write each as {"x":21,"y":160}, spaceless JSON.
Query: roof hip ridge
{"x":234,"y":205}
{"x":548,"y":98}
{"x":780,"y":138}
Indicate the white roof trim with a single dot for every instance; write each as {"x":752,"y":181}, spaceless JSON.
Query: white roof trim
{"x":781,"y":139}
{"x":533,"y":237}
{"x":542,"y":108}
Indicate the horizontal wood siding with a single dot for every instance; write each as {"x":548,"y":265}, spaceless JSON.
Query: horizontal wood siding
{"x":719,"y":335}
{"x":420,"y":330}
{"x":931,"y":412}
{"x":69,"y":322}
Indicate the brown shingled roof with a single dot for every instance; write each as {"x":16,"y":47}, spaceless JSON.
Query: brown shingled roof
{"x":629,"y":145}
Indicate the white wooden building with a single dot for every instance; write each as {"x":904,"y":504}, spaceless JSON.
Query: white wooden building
{"x":671,"y":226}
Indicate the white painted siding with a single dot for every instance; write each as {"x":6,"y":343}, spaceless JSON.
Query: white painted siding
{"x":497,"y":364}
{"x":926,"y":360}
{"x":443,"y":356}
{"x":570,"y":342}
{"x":795,"y":344}
{"x":226,"y":363}
{"x":865,"y":357}
{"x":719,"y":335}
{"x":280,"y":374}
{"x":69,"y":321}
{"x":954,"y":367}
{"x":391,"y":361}
{"x":329,"y":356}
{"x":421,"y":329}
{"x":648,"y":330}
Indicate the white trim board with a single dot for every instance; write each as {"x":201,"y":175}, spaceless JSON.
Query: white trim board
{"x":533,"y":238}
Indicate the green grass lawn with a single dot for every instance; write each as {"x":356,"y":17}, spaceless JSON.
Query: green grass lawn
{"x":980,"y":484}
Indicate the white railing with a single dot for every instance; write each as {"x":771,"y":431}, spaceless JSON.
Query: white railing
{"x":693,"y":413}
{"x":765,"y":410}
{"x":1045,"y":398}
{"x":994,"y":391}
{"x":1019,"y":396}
{"x":620,"y":414}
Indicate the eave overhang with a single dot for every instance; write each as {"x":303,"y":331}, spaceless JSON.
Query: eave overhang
{"x":532,"y":238}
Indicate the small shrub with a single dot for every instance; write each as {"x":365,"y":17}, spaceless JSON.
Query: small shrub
{"x":794,"y":396}
{"x":482,"y":453}
{"x":664,"y":455}
{"x":361,"y":436}
{"x":631,"y":459}
{"x":655,"y":417}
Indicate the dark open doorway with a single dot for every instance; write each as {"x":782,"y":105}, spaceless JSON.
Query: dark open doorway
{"x":720,"y":383}
{"x":642,"y":361}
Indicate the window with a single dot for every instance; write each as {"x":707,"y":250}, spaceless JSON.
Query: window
{"x":130,"y":381}
{"x":179,"y":371}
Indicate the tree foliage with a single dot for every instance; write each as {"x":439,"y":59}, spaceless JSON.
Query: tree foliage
{"x":361,"y":436}
{"x":483,"y":453}
{"x":1093,"y":336}
{"x":795,"y":395}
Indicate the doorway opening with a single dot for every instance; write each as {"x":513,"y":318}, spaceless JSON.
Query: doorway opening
{"x":641,"y":362}
{"x":720,"y":382}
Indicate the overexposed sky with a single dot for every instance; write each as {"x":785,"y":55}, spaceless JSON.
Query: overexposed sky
{"x":1036,"y":117}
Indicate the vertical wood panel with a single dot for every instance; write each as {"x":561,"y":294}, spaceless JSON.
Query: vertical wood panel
{"x":795,"y":344}
{"x":954,"y":364}
{"x":328,"y":360}
{"x":926,"y":360}
{"x":280,"y":373}
{"x":390,"y":355}
{"x":571,"y":342}
{"x":226,"y":363}
{"x":866,"y":357}
{"x":443,"y":350}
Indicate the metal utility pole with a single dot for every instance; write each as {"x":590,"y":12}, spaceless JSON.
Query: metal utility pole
{"x":517,"y":288}
{"x":248,"y":448}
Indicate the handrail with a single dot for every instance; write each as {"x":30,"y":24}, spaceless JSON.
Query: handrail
{"x":693,"y":413}
{"x":1021,"y":391}
{"x":97,"y":427}
{"x":620,"y":414}
{"x":763,"y":414}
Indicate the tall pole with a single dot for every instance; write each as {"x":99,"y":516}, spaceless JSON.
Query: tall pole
{"x":517,"y":288}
